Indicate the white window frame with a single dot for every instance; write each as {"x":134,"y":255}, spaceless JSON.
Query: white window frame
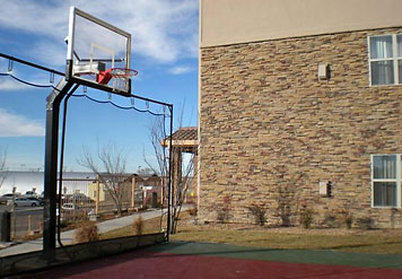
{"x":394,"y":58}
{"x":398,"y":180}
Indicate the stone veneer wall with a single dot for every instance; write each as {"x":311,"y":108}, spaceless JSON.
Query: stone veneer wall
{"x":266,"y":121}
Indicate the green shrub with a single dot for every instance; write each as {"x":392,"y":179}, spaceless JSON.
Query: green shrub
{"x":75,"y":216}
{"x":138,"y":226}
{"x":224,"y":212}
{"x":348,"y":221}
{"x":365,"y":223}
{"x":87,"y":232}
{"x":306,"y":217}
{"x":259,"y":214}
{"x":193,"y":211}
{"x":346,"y":217}
{"x":330,"y":220}
{"x":223,"y":216}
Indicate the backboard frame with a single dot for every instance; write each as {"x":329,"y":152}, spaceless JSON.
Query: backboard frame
{"x":74,"y":12}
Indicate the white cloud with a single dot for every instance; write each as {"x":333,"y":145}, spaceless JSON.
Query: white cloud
{"x":163,"y":30}
{"x":178,"y":70}
{"x":50,"y":54}
{"x":14,"y":125}
{"x":8,"y":84}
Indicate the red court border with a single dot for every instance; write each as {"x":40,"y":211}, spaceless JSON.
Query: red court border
{"x":169,"y":265}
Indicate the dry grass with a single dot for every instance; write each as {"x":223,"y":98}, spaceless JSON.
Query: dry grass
{"x":372,"y":241}
{"x":148,"y":226}
{"x":138,"y":226}
{"x":153,"y":225}
{"x":87,"y":232}
{"x":353,"y":240}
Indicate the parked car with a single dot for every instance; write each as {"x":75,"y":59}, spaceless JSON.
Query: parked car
{"x":24,"y":202}
{"x":73,"y":212}
{"x":30,"y":194}
{"x":40,"y":201}
{"x":68,"y":206}
{"x":77,"y":198}
{"x":6,"y":198}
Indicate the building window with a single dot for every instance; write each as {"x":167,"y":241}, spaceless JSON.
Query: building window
{"x":386,"y":180}
{"x":385,"y":59}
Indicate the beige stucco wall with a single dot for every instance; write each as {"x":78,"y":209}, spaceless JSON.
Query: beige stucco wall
{"x":236,"y":21}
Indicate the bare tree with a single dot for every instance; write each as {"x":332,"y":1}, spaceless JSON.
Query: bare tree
{"x":146,"y":171}
{"x":157,"y":134}
{"x":287,"y":194}
{"x":3,"y":171}
{"x":159,"y":140}
{"x":161,"y":154}
{"x":181,"y":191}
{"x":109,"y":165}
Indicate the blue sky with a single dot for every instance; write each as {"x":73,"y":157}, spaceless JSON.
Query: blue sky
{"x":164,"y":51}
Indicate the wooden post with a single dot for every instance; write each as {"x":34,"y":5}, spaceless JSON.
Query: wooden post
{"x":29,"y":224}
{"x":194,"y":180}
{"x":97,"y":197}
{"x":132,"y":192}
{"x":14,"y":235}
{"x":14,"y":215}
{"x":177,"y":173}
{"x":161,"y":197}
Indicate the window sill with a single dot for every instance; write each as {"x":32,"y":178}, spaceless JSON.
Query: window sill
{"x":385,"y":85}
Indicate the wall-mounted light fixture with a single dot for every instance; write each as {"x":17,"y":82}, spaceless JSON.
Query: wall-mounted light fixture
{"x":324,"y":71}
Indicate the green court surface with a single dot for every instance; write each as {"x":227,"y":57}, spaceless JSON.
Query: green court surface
{"x":290,"y":256}
{"x":207,"y":260}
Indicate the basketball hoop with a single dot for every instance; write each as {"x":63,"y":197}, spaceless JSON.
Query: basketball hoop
{"x":116,"y":73}
{"x":122,"y":72}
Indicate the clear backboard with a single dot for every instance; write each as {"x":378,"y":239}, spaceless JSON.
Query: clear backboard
{"x":98,"y":54}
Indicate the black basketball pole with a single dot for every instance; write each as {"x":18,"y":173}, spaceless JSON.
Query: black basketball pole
{"x":170,"y":198}
{"x":51,"y":160}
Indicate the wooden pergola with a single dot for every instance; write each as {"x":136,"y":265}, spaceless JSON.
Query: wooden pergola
{"x":184,"y":140}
